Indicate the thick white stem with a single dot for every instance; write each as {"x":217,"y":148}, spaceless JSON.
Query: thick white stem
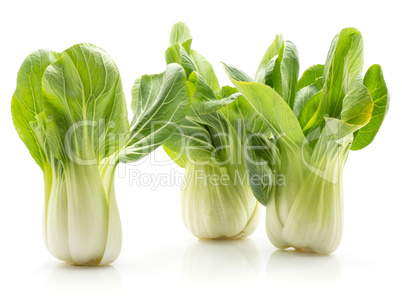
{"x":212,"y":206}
{"x":87,"y":214}
{"x":316,"y":220}
{"x":57,"y":220}
{"x":310,"y":216}
{"x":114,"y":235}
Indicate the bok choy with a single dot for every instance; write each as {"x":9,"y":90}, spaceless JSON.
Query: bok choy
{"x":70,"y":111}
{"x":315,"y":121}
{"x":216,"y":199}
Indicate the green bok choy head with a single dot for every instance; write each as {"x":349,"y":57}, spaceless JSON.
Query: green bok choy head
{"x":216,"y":199}
{"x":70,"y":111}
{"x":315,"y":121}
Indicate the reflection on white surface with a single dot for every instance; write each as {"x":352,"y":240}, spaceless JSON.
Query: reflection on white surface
{"x":221,"y":263}
{"x":300,"y":269}
{"x":68,"y":279}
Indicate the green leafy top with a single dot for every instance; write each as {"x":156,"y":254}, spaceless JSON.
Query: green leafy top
{"x":160,"y":103}
{"x":325,"y":107}
{"x":70,"y":106}
{"x":27,"y":101}
{"x":219,"y":119}
{"x":84,"y":104}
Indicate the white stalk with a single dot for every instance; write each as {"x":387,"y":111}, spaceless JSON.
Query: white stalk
{"x":214,"y":206}
{"x":309,"y":216}
{"x":82,"y":222}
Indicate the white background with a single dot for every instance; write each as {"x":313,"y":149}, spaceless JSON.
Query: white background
{"x":160,"y":259}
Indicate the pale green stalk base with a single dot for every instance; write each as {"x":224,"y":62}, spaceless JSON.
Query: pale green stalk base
{"x":82,"y":224}
{"x":217,"y":210}
{"x":315,"y":220}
